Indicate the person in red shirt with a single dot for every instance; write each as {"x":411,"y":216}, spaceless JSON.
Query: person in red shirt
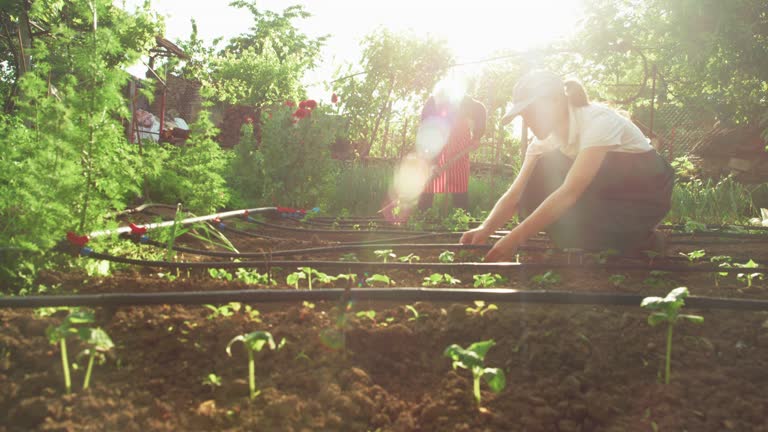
{"x":449,"y":131}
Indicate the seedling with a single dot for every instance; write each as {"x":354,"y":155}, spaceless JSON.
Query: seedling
{"x":694,"y":256}
{"x":667,"y":310}
{"x":59,"y":334}
{"x":224,"y":311}
{"x":370,"y":314}
{"x":379,"y":278}
{"x":603,"y":256}
{"x":617,"y":279}
{"x":725,"y":262}
{"x":487,"y":280}
{"x":98,"y":342}
{"x":384,"y":254}
{"x":413,"y":312}
{"x":446,"y":257}
{"x":472,"y":358}
{"x":220,"y":274}
{"x":481,"y":308}
{"x":436,"y":279}
{"x":294,"y":278}
{"x":252,"y":277}
{"x":748,"y":277}
{"x":349,"y":257}
{"x":545,"y":279}
{"x":410,"y":258}
{"x":254,"y":342}
{"x":651,"y":254}
{"x":212,"y":380}
{"x":657,"y":279}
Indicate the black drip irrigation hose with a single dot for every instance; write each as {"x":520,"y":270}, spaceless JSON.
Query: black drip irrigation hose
{"x":443,"y":267}
{"x":349,"y":247}
{"x":330,"y":231}
{"x":497,"y":295}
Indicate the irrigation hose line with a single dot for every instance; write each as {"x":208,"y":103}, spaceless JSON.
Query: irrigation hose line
{"x":186,"y":221}
{"x":496,"y":295}
{"x":346,"y":247}
{"x":443,"y":267}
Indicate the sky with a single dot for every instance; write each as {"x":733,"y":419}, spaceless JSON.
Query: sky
{"x":474,"y":30}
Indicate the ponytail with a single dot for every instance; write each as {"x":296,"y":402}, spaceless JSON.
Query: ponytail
{"x":576,"y":94}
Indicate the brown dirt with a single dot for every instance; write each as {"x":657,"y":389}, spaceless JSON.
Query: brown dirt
{"x":569,"y":368}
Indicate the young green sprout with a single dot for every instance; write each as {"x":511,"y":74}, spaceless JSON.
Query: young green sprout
{"x":548,"y":278}
{"x":487,"y":280}
{"x":254,"y":342}
{"x":436,"y":279}
{"x":447,"y":257}
{"x":98,"y":342}
{"x":59,"y":334}
{"x":384,"y":254}
{"x":481,"y":308}
{"x":379,"y":278}
{"x":667,"y":310}
{"x":472,"y":358}
{"x":749,"y":276}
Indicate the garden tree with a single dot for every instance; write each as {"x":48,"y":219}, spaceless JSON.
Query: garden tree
{"x":15,"y":46}
{"x":66,"y":161}
{"x":265,"y":65}
{"x":494,"y":86}
{"x":400,"y":70}
{"x":709,"y":53}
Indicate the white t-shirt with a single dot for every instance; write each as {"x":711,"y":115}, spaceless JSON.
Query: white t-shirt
{"x":595,"y":125}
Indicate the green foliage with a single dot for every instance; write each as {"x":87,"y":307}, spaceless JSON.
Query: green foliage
{"x":212,"y":380}
{"x":245,"y":168}
{"x":72,"y":325}
{"x":694,"y":256}
{"x":546,"y":279}
{"x":481,"y":308}
{"x":300,"y":172}
{"x":617,"y":279}
{"x":472,"y":358}
{"x":399,"y":67}
{"x":98,"y":342}
{"x":667,"y":309}
{"x":380,"y":279}
{"x":410,"y":258}
{"x":724,"y":262}
{"x":66,"y":162}
{"x":488,"y":280}
{"x":192,"y":174}
{"x":458,"y":220}
{"x":657,"y":279}
{"x":709,"y":201}
{"x":370,"y":314}
{"x":437,"y":279}
{"x":220,"y":274}
{"x":748,"y":277}
{"x":384,"y":254}
{"x":446,"y":257}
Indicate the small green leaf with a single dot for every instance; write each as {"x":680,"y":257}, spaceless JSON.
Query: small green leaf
{"x":657,"y":318}
{"x":495,"y":379}
{"x":698,"y":319}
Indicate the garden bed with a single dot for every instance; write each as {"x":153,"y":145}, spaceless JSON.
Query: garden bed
{"x":568,"y":368}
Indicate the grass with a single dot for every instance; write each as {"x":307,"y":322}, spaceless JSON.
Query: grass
{"x":715,"y":202}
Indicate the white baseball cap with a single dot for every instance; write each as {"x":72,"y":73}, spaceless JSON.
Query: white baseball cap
{"x":532,"y":86}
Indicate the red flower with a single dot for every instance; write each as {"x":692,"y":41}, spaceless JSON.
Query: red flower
{"x":289,"y":103}
{"x":249,"y":119}
{"x":301,"y":113}
{"x":334,"y":98}
{"x":310,"y":104}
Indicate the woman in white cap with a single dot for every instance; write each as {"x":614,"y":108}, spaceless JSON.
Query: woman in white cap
{"x":590,"y":178}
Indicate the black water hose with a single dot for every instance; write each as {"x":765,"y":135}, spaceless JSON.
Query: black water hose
{"x":496,"y":295}
{"x":442,"y":267}
{"x":348,"y":247}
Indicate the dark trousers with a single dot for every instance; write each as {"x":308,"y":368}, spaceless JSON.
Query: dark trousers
{"x":626,"y":200}
{"x":460,"y":200}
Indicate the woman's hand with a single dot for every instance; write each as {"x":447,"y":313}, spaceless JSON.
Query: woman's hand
{"x":475,"y":236}
{"x":506,"y":248}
